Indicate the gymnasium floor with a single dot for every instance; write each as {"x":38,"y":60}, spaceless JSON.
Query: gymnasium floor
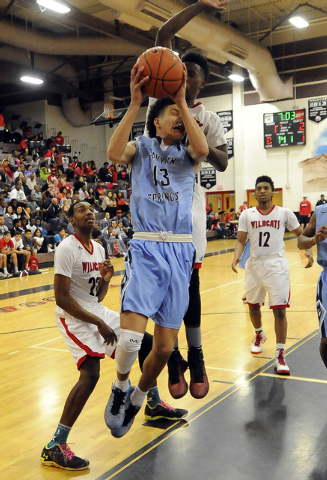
{"x":252,"y":424}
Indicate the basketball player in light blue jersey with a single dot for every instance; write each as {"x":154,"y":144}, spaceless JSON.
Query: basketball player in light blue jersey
{"x":315,"y":233}
{"x":160,"y":258}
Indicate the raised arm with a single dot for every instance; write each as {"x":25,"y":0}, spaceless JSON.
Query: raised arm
{"x":178,"y":21}
{"x":119,"y":149}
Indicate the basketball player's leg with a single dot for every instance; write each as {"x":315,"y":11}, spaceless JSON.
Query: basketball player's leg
{"x":321,"y":303}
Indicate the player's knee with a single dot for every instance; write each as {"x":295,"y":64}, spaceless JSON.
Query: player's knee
{"x":323,"y":350}
{"x":128,"y":346}
{"x":162,"y":352}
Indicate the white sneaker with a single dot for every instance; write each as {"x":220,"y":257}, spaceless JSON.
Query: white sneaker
{"x":2,"y":275}
{"x":280,"y":364}
{"x":50,"y":250}
{"x":258,"y":341}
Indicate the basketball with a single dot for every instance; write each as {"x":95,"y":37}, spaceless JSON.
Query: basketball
{"x":164,"y":69}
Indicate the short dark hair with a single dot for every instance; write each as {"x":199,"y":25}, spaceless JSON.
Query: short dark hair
{"x":265,"y":178}
{"x":197,"y":57}
{"x":71,"y":210}
{"x":16,"y":232}
{"x":155,"y":111}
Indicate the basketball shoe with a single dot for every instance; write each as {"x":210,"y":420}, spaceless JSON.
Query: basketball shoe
{"x":115,"y":409}
{"x":199,"y":385}
{"x":61,"y":456}
{"x":164,"y":411}
{"x":176,"y":367}
{"x":281,"y":366}
{"x":258,"y":341}
{"x":130,"y":413}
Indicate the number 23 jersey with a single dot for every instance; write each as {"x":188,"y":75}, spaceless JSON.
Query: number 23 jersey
{"x":74,"y":260}
{"x":266,"y":232}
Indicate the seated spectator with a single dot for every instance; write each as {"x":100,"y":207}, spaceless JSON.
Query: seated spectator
{"x":8,"y":217}
{"x":121,"y":204}
{"x":109,"y":204}
{"x":28,"y":171}
{"x":101,"y":191}
{"x":78,"y":184}
{"x":60,"y":236}
{"x":31,"y":182}
{"x":75,"y":197}
{"x":25,"y":187}
{"x":44,"y":172}
{"x":96,"y":234}
{"x":90,"y":173}
{"x":79,"y":170}
{"x":3,"y":228}
{"x":113,"y":173}
{"x":35,"y":163}
{"x":7,"y":249}
{"x":23,"y":145}
{"x":230,"y":216}
{"x":17,"y":227}
{"x":84,"y":194}
{"x":23,"y":255}
{"x":4,"y":177}
{"x":104,"y":174}
{"x":59,"y":139}
{"x":105,"y":222}
{"x":122,"y":233}
{"x":123,"y":174}
{"x":49,"y":155}
{"x":18,"y":194}
{"x":111,"y":243}
{"x":214,"y":225}
{"x":3,"y":206}
{"x":8,"y":170}
{"x":52,"y":214}
{"x":28,"y":242}
{"x":20,"y":213}
{"x":127,"y":223}
{"x":94,"y":200}
{"x":67,"y":200}
{"x":63,"y":217}
{"x":71,"y":168}
{"x":118,"y":217}
{"x":41,"y":244}
{"x":62,"y":193}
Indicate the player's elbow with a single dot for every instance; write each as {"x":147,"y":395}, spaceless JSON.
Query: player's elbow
{"x":112,"y":155}
{"x":201,"y":153}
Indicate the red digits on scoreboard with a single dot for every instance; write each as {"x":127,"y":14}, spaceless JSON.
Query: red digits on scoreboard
{"x":301,"y":127}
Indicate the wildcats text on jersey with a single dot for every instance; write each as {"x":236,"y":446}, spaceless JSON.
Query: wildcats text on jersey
{"x":90,"y":266}
{"x":265,"y":223}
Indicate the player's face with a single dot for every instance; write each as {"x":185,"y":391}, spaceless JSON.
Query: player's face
{"x":194,"y":81}
{"x":169,"y":124}
{"x":263,"y":192}
{"x":83,"y":215}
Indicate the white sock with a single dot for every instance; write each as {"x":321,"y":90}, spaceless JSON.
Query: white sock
{"x":123,"y":385}
{"x":279,"y":346}
{"x":16,"y":269}
{"x":138,"y":397}
{"x":258,"y":330}
{"x":5,"y":271}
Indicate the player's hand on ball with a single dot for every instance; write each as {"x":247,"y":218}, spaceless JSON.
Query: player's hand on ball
{"x":107,"y":333}
{"x":137,"y":84}
{"x":106,"y":270}
{"x":216,"y":4}
{"x":180,"y":94}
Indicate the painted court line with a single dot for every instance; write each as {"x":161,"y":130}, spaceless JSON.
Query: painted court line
{"x":43,"y":343}
{"x":226,"y":369}
{"x":289,"y":377}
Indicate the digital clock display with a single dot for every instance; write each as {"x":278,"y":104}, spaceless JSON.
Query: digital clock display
{"x":284,"y":129}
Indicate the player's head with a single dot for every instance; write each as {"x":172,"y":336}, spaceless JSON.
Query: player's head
{"x":197,"y":73}
{"x":264,"y":189}
{"x":81,"y":215}
{"x":164,"y":120}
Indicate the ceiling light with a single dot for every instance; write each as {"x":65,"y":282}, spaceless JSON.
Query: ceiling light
{"x":299,"y":22}
{"x":53,"y":5}
{"x":33,"y":80}
{"x":236,"y":78}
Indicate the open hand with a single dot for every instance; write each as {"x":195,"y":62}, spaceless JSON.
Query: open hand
{"x":216,"y":4}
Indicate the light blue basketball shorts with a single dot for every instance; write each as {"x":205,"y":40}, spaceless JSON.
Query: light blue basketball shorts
{"x":157,"y":279}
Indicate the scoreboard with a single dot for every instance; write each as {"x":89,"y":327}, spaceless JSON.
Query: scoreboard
{"x":284,"y":129}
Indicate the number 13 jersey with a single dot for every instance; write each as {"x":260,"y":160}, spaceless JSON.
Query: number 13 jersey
{"x":74,"y":260}
{"x":266,"y":232}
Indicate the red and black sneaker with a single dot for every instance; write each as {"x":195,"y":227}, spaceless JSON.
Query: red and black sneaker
{"x":61,"y":456}
{"x":199,"y":384}
{"x":176,"y":367}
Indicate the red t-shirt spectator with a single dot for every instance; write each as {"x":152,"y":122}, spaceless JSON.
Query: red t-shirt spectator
{"x":228,"y":217}
{"x":79,"y":172}
{"x":22,"y":145}
{"x":59,"y":139}
{"x":9,"y":172}
{"x":305,"y":208}
{"x":6,"y":245}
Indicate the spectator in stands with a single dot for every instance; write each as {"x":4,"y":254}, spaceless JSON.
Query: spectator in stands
{"x":58,"y":160}
{"x":214,"y":225}
{"x":109,"y":204}
{"x":243,"y":207}
{"x":8,"y":217}
{"x":28,"y":242}
{"x":36,"y":194}
{"x":75,"y":197}
{"x":84,"y":194}
{"x":35,"y":162}
{"x":79,"y":170}
{"x":23,"y":256}
{"x":45,"y":204}
{"x":62,"y":193}
{"x":79,"y":182}
{"x":49,"y":155}
{"x":7,"y":249}
{"x":96,"y":234}
{"x":3,"y":206}
{"x":18,"y":194}
{"x":121,"y":204}
{"x":31,"y":225}
{"x":100,"y":191}
{"x":123,"y":174}
{"x":53,"y":212}
{"x":113,"y":173}
{"x":104,"y":173}
{"x":3,"y":228}
{"x":92,"y":196}
{"x":60,"y":236}
{"x":127,"y":223}
{"x":230,"y":216}
{"x":63,"y":217}
{"x":31,"y":182}
{"x":118,"y":217}
{"x":122,"y":233}
{"x":67,"y":200}
{"x":71,"y":167}
{"x":322,"y":201}
{"x":25,"y":187}
{"x":40,"y":243}
{"x":23,"y":145}
{"x":105,"y":222}
{"x":17,"y":172}
{"x":8,"y":137}
{"x":28,"y":170}
{"x":70,"y":229}
{"x":44,"y":171}
{"x":108,"y":240}
{"x":17,"y":227}
{"x":59,"y":139}
{"x":4,"y":177}
{"x":7,"y":169}
{"x":90,"y":173}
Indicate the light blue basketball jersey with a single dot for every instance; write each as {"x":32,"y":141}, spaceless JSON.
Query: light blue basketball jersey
{"x":321,"y":219}
{"x":162,"y":188}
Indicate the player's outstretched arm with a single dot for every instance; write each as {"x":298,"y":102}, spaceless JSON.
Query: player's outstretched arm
{"x":178,"y":21}
{"x":239,"y":247}
{"x":119,"y":150}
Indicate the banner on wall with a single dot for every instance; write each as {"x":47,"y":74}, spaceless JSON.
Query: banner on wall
{"x":230,"y":147}
{"x":137,"y":130}
{"x":207,"y":177}
{"x":317,"y":108}
{"x":226,"y":119}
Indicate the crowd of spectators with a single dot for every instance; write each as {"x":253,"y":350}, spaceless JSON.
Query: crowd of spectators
{"x":37,"y":187}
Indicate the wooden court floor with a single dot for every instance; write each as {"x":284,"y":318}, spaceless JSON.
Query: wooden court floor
{"x":252,"y":424}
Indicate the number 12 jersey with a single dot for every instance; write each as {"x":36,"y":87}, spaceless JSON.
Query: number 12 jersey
{"x":266,"y":231}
